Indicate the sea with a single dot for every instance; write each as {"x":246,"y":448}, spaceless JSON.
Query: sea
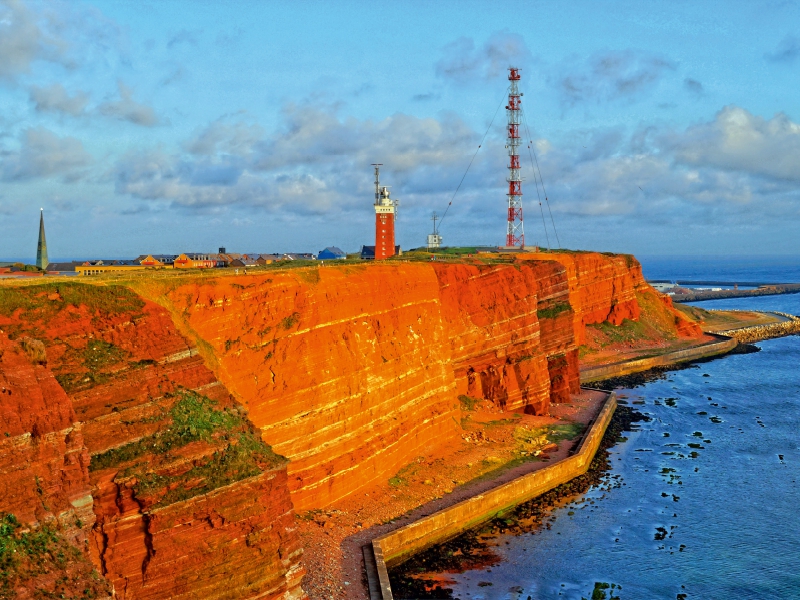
{"x":700,"y":502}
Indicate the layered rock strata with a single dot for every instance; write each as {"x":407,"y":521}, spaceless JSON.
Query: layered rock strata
{"x":352,"y":372}
{"x":604,"y":287}
{"x":45,"y":494}
{"x":187,"y":499}
{"x":346,"y":371}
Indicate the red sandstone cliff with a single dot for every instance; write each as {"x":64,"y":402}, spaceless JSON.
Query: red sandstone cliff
{"x":188,"y":501}
{"x":351,"y":372}
{"x":604,"y":287}
{"x":346,"y":371}
{"x":44,"y":479}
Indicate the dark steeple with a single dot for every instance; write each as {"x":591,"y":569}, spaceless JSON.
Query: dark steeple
{"x":41,"y":248}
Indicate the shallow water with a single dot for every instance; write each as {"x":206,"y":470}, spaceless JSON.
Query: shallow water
{"x":728,"y":514}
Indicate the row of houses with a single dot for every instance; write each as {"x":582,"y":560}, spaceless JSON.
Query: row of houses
{"x":201,"y":260}
{"x":189,"y":260}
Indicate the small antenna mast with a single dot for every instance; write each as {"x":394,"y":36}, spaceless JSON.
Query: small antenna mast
{"x":377,"y":182}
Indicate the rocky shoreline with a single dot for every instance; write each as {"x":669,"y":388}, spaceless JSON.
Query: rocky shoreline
{"x":757,"y":333}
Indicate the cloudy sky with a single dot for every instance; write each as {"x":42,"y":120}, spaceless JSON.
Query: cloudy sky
{"x":660,"y":127}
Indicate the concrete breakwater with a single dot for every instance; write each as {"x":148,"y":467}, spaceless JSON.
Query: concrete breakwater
{"x":394,"y":547}
{"x":757,"y":333}
{"x":766,"y":290}
{"x":724,"y":343}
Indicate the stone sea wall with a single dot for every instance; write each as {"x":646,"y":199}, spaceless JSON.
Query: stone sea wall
{"x":757,"y":333}
{"x":394,"y":547}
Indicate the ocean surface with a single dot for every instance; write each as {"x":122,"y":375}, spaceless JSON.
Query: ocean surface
{"x":706,"y":503}
{"x":763,"y":269}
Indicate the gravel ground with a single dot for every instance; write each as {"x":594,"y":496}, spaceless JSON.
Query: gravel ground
{"x":333,"y":538}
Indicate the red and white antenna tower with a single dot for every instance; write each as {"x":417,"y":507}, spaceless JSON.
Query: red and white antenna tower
{"x":515,"y":235}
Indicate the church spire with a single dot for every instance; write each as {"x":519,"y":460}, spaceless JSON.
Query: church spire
{"x":41,"y":248}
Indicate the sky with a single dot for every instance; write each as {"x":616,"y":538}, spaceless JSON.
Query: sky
{"x":659,"y":128}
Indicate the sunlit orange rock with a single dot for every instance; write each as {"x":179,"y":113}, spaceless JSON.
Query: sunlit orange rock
{"x":119,"y":358}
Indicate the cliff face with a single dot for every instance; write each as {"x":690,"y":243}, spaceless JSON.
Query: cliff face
{"x":45,"y":499}
{"x":604,"y":287}
{"x":186,"y":496}
{"x":352,"y":372}
{"x":346,"y":371}
{"x":510,"y":332}
{"x":43,"y":460}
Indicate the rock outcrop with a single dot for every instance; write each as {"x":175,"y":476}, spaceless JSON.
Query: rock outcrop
{"x":352,"y":372}
{"x":45,"y":492}
{"x":188,"y":501}
{"x":604,"y":287}
{"x":346,"y":371}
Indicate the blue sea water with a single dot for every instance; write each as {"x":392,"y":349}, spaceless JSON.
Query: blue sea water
{"x":727,"y":507}
{"x":764,"y":269}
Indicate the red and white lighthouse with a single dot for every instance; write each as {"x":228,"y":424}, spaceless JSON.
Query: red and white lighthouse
{"x":515,"y":234}
{"x":385,"y":211}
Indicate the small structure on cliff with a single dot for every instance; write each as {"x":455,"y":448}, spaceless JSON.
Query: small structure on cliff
{"x":434,"y":239}
{"x":41,"y":247}
{"x":385,"y":211}
{"x":515,"y":234}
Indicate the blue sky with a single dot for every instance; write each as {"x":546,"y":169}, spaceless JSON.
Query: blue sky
{"x":660,"y":127}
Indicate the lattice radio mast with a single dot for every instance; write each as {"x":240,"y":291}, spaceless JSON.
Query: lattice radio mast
{"x":515,"y":234}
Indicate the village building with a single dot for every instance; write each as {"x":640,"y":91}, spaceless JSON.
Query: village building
{"x":332,"y":253}
{"x":368,"y":252}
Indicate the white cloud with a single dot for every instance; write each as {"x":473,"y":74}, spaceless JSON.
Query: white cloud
{"x":463,"y":63}
{"x":737,"y":140}
{"x":24,"y":38}
{"x":316,"y":163}
{"x":42,"y":153}
{"x":127,"y":109}
{"x":55,"y":98}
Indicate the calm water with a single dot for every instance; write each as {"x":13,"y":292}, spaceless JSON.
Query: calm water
{"x":767,"y":269}
{"x":728,"y":514}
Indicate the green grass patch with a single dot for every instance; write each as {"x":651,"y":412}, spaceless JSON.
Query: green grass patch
{"x":290,"y":321}
{"x":192,"y":418}
{"x":244,"y":457}
{"x":239,"y":451}
{"x":93,"y":363}
{"x":551,"y":312}
{"x":42,"y":302}
{"x":41,"y":555}
{"x":501,"y":422}
{"x":469,"y":403}
{"x":99,"y":355}
{"x":401,"y":478}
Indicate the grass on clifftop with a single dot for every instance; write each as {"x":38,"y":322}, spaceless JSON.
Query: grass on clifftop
{"x":656,"y":323}
{"x":238,"y":452}
{"x":47,"y":299}
{"x":38,"y":304}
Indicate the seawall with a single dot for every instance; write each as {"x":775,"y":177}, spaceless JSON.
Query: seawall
{"x":757,"y":333}
{"x":721,"y":345}
{"x":393,"y":548}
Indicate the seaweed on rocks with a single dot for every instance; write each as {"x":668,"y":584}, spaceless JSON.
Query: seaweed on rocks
{"x":656,"y":373}
{"x":474,"y":549}
{"x":634,"y":380}
{"x":742,"y":348}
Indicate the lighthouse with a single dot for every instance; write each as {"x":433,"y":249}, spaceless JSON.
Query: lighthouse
{"x":385,"y":212}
